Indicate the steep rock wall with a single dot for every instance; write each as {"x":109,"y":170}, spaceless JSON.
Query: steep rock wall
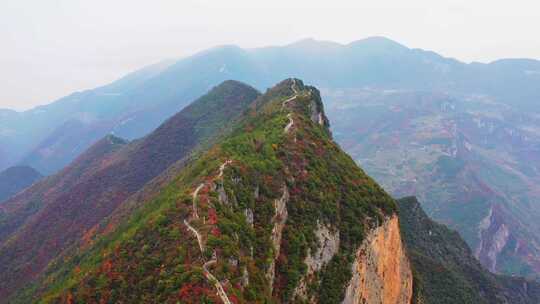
{"x":328,"y":246}
{"x":381,"y":270}
{"x":279,"y":219}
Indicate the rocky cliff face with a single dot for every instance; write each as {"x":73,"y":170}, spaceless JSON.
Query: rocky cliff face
{"x":381,"y":270}
{"x":328,"y":242}
{"x":493,"y":235}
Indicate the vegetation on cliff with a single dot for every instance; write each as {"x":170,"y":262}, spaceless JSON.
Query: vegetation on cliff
{"x":254,"y":201}
{"x":64,"y":209}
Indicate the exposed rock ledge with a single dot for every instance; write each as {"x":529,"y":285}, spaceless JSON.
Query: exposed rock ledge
{"x":328,"y":246}
{"x":381,"y":270}
{"x":279,"y":219}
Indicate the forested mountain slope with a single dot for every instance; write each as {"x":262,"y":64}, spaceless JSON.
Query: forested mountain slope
{"x":414,"y":120}
{"x":274,"y":212}
{"x":40,"y":223}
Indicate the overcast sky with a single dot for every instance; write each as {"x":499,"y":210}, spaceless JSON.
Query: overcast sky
{"x":50,"y":48}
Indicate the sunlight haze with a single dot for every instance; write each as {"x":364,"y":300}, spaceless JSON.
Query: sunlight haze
{"x":53,"y":48}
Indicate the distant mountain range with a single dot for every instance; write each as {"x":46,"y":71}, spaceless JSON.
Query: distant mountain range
{"x":136,"y":104}
{"x":469,"y":132}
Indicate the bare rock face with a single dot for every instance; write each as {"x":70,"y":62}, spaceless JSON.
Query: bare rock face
{"x":494,"y":234}
{"x":279,"y":219}
{"x":222,"y":195}
{"x":381,"y":270}
{"x":316,"y":108}
{"x":328,"y":246}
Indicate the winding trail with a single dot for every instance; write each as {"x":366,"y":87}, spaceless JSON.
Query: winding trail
{"x":220,"y":291}
{"x":293,"y":88}
{"x":197,"y":234}
{"x":222,"y":167}
{"x":290,"y":124}
{"x":209,"y":276}
{"x":291,"y":121}
{"x":194,"y":195}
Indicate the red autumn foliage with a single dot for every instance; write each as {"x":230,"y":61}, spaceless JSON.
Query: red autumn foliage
{"x":192,"y":293}
{"x":212,"y":217}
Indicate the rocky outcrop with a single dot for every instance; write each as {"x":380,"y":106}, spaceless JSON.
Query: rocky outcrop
{"x":316,"y":108}
{"x":249,"y":216}
{"x":494,"y":234}
{"x":328,"y":246}
{"x":328,"y":240}
{"x":279,"y":219}
{"x":381,"y":270}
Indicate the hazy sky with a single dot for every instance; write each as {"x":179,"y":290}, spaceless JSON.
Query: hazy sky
{"x":50,"y":48}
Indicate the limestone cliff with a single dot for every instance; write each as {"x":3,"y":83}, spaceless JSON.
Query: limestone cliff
{"x":328,"y":247}
{"x":381,"y":270}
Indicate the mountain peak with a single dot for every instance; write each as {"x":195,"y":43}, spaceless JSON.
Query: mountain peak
{"x":377,"y":43}
{"x":304,"y":101}
{"x":235,"y":85}
{"x":311,"y":44}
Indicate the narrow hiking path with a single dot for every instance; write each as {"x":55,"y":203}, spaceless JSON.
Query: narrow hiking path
{"x":195,"y":215}
{"x":209,"y":276}
{"x":291,"y":120}
{"x":194,"y":196}
{"x":290,"y":124}
{"x":221,"y":292}
{"x":197,"y":234}
{"x":222,"y":167}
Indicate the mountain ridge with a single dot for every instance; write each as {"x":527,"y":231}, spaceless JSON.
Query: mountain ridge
{"x":271,"y":210}
{"x":110,"y":172}
{"x":238,"y":222}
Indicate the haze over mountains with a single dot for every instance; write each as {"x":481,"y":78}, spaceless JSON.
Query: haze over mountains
{"x":137,"y":103}
{"x":464,"y":138}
